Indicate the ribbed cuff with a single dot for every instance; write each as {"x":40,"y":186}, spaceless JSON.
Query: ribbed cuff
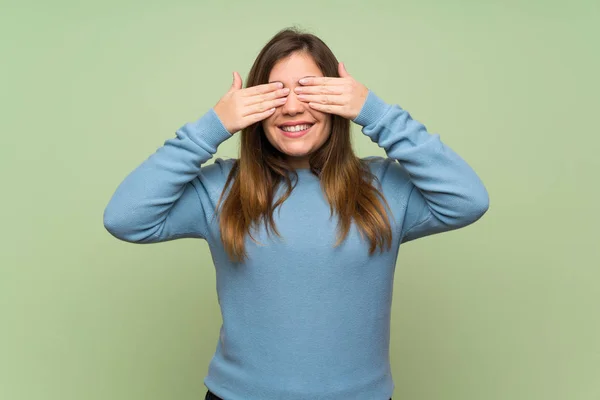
{"x":210,"y":128}
{"x":373,"y":110}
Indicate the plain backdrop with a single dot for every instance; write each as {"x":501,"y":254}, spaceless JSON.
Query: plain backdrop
{"x":507,"y":308}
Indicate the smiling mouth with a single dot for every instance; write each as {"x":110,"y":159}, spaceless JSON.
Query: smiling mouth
{"x":295,"y":128}
{"x":296,"y":131}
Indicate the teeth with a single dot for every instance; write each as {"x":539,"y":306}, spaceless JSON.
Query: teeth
{"x":295,"y":128}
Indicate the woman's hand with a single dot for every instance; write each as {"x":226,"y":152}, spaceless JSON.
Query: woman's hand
{"x":343,"y":96}
{"x":240,"y":108}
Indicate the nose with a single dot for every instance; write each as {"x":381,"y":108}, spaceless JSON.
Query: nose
{"x":292,"y":105}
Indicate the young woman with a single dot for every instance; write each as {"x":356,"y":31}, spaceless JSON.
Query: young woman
{"x":306,"y":312}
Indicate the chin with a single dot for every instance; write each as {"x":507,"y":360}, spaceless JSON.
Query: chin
{"x":295,"y":154}
{"x":297,"y":148}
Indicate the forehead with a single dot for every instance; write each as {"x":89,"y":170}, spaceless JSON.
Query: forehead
{"x":290,"y":69}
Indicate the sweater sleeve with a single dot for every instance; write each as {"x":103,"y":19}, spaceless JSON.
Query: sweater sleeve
{"x":443,"y":192}
{"x":168,"y":195}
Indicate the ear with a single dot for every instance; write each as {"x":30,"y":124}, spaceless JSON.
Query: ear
{"x":342,"y":70}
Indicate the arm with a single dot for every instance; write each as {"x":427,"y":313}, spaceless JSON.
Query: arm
{"x":445,"y":193}
{"x":167,"y":196}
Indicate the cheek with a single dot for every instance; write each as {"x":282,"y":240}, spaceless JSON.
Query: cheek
{"x":268,"y":125}
{"x":270,"y":131}
{"x":326,"y":121}
{"x":323,"y":118}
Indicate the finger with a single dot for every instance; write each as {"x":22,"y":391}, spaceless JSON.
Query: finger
{"x":254,"y":118}
{"x":263,"y":106}
{"x":320,"y":89}
{"x":237,"y":81}
{"x":267,"y":96}
{"x":328,"y":108}
{"x":261,"y":89}
{"x":318,"y":80}
{"x":322,"y":99}
{"x":342,"y":70}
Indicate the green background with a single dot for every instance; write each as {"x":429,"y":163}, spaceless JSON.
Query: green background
{"x":507,"y":308}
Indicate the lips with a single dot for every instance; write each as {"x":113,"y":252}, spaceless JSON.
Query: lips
{"x":295,"y":134}
{"x":295,"y":128}
{"x":292,"y":123}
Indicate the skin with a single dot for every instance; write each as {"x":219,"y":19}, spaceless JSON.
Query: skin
{"x":307,"y":96}
{"x":289,"y":71}
{"x":343,"y":96}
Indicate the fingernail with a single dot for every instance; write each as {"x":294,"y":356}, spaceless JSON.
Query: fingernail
{"x":279,"y":85}
{"x":303,"y":81}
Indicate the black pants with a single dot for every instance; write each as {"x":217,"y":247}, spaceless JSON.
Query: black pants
{"x":211,"y":396}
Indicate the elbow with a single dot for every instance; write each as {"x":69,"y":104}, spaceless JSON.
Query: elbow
{"x":113,"y":224}
{"x":477,"y":206}
{"x":483,"y":201}
{"x":469,"y":209}
{"x":117,"y":226}
{"x":125,"y":228}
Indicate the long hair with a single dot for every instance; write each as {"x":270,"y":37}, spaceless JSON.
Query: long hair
{"x":261,"y":168}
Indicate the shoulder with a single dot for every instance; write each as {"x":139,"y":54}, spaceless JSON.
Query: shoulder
{"x":212,"y":177}
{"x":220,"y":168}
{"x":387,"y":170}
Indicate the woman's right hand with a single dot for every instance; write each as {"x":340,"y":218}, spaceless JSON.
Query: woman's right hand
{"x":240,"y":108}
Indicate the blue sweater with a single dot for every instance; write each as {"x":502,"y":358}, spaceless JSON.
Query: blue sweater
{"x":301,"y":320}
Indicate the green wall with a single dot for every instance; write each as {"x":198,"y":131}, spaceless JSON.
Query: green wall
{"x":507,"y":308}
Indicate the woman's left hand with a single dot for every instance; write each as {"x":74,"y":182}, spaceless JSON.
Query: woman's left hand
{"x":343,"y":96}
